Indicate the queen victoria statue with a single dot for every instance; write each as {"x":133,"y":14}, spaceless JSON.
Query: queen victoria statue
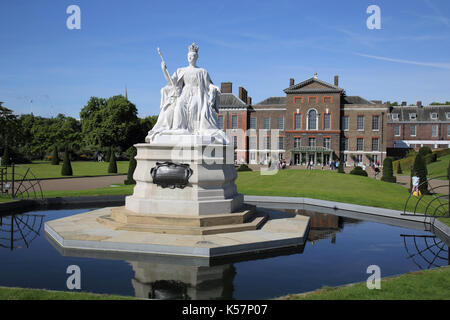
{"x":189,"y":103}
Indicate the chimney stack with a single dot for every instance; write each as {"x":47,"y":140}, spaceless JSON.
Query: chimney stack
{"x":243,"y":94}
{"x":291,"y":82}
{"x":419,"y":104}
{"x":336,"y":81}
{"x":249,"y":100}
{"x":226,"y":87}
{"x":403,"y":103}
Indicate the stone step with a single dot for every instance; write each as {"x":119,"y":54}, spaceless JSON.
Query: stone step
{"x":125,"y":216}
{"x":255,"y":224}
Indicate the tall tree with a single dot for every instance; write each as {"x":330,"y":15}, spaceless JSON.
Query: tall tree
{"x":388,"y":172}
{"x":112,"y":168}
{"x":66,"y":169}
{"x":110,"y":122}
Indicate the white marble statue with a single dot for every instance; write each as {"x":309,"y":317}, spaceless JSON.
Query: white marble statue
{"x":189,"y":103}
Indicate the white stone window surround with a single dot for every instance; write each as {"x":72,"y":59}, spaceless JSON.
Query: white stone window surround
{"x":412,"y":116}
{"x":434,"y":116}
{"x":394,"y":116}
{"x":307,"y":119}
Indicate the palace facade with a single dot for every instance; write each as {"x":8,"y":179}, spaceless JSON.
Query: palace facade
{"x":313,"y":121}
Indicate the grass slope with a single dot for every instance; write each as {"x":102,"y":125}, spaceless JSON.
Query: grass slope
{"x":39,"y":294}
{"x":422,"y":285}
{"x":435,"y":169}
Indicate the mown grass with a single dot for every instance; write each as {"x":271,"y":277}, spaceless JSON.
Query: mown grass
{"x":40,"y":294}
{"x":45,"y":170}
{"x":422,"y":285}
{"x":435,"y":169}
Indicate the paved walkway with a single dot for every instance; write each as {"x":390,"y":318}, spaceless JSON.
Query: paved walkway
{"x":81,"y":183}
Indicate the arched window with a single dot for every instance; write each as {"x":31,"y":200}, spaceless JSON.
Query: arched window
{"x":312,"y":119}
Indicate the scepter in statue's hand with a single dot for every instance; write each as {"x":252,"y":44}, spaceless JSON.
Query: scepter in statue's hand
{"x":164,"y":68}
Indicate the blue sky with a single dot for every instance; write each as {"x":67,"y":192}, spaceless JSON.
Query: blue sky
{"x":255,"y":44}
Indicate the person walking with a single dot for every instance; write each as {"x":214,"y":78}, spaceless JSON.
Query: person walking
{"x":415,"y":185}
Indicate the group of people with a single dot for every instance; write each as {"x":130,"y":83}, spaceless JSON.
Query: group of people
{"x":334,"y":165}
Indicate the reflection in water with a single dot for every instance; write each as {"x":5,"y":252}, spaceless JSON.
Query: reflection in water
{"x":426,"y":251}
{"x":19,"y":230}
{"x":322,"y":225}
{"x":185,"y":282}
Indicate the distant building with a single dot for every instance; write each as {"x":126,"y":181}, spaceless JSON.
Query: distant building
{"x":418,"y":126}
{"x":314,"y":121}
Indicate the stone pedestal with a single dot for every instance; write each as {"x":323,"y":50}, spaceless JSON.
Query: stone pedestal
{"x":210,"y":189}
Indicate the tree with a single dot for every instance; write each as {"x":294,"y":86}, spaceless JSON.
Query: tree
{"x":55,"y":156}
{"x":131,"y":167}
{"x":420,"y":167}
{"x":388,"y":172}
{"x":6,"y":158}
{"x":399,"y":168}
{"x":110,"y":122}
{"x":112,"y":168}
{"x":66,"y":169}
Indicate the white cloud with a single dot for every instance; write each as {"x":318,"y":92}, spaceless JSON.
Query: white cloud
{"x":439,"y":65}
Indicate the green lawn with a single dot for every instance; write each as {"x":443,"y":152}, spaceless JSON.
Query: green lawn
{"x":435,"y":169}
{"x":422,"y":285}
{"x":38,"y":294}
{"x":44,"y":169}
{"x":107,"y":191}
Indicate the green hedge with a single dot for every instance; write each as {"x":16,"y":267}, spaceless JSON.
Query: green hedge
{"x":359,"y":172}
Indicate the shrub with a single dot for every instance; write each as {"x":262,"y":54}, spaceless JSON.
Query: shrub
{"x":341,"y":167}
{"x":430,"y":158}
{"x":388,"y":172}
{"x":112,"y":168}
{"x":131,"y":167}
{"x":55,"y":157}
{"x":66,"y":169}
{"x":443,"y":152}
{"x":420,"y":167}
{"x":423,"y":151}
{"x":399,"y":168}
{"x":359,"y":171}
{"x":244,"y":167}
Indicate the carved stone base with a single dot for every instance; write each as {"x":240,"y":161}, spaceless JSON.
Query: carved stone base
{"x":209,"y":190}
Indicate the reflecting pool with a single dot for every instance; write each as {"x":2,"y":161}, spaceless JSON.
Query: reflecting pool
{"x":338,"y":251}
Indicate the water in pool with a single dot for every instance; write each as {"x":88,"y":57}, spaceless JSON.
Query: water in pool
{"x":338,"y":251}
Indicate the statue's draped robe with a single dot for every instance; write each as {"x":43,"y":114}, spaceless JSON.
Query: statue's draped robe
{"x":187,"y":106}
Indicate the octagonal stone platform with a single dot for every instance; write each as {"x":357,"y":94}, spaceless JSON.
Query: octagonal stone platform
{"x":84,"y":231}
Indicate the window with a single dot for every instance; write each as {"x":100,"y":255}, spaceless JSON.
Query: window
{"x":375,"y":144}
{"x":360,"y":144}
{"x":360,"y":123}
{"x":252,"y":143}
{"x":281,"y":123}
{"x":266,"y":123}
{"x":434,"y":116}
{"x":345,"y":123}
{"x":412,"y":131}
{"x":234,"y":122}
{"x":235,"y":142}
{"x":326,"y":121}
{"x":448,"y":130}
{"x":220,"y":122}
{"x":434,"y":131}
{"x":412,"y":116}
{"x":312,"y":120}
{"x":327,"y":143}
{"x":395,"y":116}
{"x":252,"y":123}
{"x":267,"y":143}
{"x":344,"y":143}
{"x":312,"y":142}
{"x":298,"y":142}
{"x":375,"y":123}
{"x":312,"y":99}
{"x":447,"y":114}
{"x":298,"y":121}
{"x":375,"y":158}
{"x":280,"y":143}
{"x":359,"y":158}
{"x":397,"y":131}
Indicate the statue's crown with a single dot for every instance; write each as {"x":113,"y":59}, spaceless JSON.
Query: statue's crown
{"x":193,"y":48}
